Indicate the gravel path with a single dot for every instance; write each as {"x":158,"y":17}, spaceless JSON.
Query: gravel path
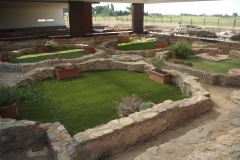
{"x":10,"y":78}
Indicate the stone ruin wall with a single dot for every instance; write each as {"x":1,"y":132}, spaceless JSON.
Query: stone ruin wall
{"x":21,"y":134}
{"x":207,"y":76}
{"x":118,"y":134}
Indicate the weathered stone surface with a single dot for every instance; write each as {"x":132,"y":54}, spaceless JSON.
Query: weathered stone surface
{"x":212,"y":57}
{"x":225,"y":117}
{"x":40,"y":153}
{"x":234,"y":131}
{"x":235,"y":96}
{"x":195,"y":136}
{"x":20,"y":134}
{"x":234,"y":53}
{"x":234,"y":71}
{"x":226,"y":140}
{"x":127,"y":58}
{"x":216,"y":126}
{"x":60,"y":142}
{"x":235,"y":122}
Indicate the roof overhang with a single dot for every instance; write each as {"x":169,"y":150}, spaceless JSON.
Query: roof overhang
{"x":113,"y":1}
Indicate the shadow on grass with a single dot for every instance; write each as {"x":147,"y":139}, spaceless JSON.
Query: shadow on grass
{"x":37,"y":57}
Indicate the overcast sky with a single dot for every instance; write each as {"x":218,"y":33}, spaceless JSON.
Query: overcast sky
{"x":204,"y":7}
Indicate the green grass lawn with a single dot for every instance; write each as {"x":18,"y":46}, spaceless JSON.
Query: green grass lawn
{"x":36,"y":57}
{"x":136,"y":45}
{"x":218,"y":67}
{"x":87,"y":101}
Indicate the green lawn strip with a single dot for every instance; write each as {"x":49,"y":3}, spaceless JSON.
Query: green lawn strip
{"x":218,"y":67}
{"x":36,"y":57}
{"x":87,"y":101}
{"x":136,"y":45}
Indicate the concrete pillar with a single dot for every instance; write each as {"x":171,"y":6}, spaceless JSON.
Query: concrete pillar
{"x":137,"y":17}
{"x":88,"y":18}
{"x":76,"y":18}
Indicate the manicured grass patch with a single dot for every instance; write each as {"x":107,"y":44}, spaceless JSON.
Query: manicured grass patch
{"x":87,"y":101}
{"x":136,"y":45}
{"x":218,"y":67}
{"x":36,"y":57}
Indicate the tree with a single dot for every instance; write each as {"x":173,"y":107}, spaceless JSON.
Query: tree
{"x":65,"y":10}
{"x":124,"y":13}
{"x":118,"y":13}
{"x":112,"y":7}
{"x":98,"y":9}
{"x":93,"y":10}
{"x":105,"y":11}
{"x":129,"y":8}
{"x":235,"y":15}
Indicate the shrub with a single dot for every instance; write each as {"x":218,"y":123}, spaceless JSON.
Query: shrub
{"x":10,"y":95}
{"x":235,"y":37}
{"x":145,"y":105}
{"x":164,"y":39}
{"x":129,"y":105}
{"x":181,"y":47}
{"x":158,"y":62}
{"x":50,"y":44}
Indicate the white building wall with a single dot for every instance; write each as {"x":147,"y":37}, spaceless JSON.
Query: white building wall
{"x":26,"y":14}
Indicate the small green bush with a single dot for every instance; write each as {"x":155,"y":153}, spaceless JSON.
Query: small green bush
{"x":181,"y":47}
{"x":187,"y":95}
{"x":10,"y":95}
{"x":145,"y":105}
{"x":158,"y":62}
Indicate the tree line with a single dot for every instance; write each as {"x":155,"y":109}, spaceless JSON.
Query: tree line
{"x":108,"y":10}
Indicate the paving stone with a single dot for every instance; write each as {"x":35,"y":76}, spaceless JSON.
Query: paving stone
{"x":226,"y":139}
{"x":197,"y":155}
{"x":234,"y":131}
{"x":214,"y":135}
{"x":184,"y":150}
{"x":195,"y":136}
{"x":153,"y":150}
{"x":216,"y":126}
{"x":236,"y":122}
{"x":225,"y":117}
{"x":236,"y":113}
{"x":207,"y":148}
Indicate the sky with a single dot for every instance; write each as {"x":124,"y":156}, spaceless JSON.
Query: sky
{"x":201,"y":7}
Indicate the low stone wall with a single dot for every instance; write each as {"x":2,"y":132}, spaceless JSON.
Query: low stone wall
{"x":61,"y":143}
{"x":25,"y":67}
{"x":207,"y":76}
{"x":21,"y":134}
{"x":234,"y":53}
{"x":92,"y":64}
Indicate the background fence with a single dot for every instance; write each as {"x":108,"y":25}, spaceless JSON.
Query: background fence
{"x":184,"y":20}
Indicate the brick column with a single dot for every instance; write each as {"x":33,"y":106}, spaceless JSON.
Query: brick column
{"x":137,"y":17}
